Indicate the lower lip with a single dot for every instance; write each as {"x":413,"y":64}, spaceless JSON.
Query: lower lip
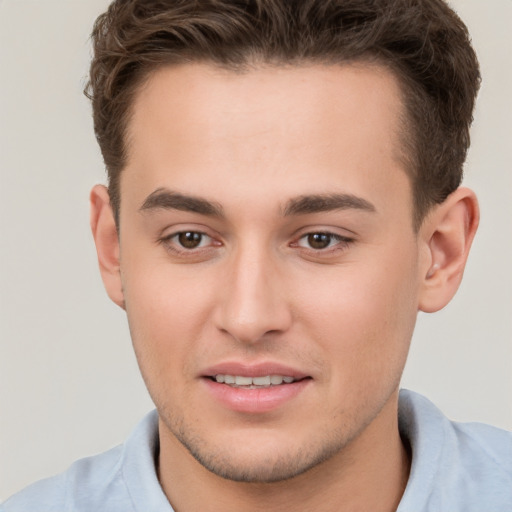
{"x":255,"y":401}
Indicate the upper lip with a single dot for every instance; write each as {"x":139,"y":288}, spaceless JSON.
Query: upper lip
{"x":253,"y":370}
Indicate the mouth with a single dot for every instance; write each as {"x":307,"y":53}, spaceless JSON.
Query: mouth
{"x":262,"y":382}
{"x":255,"y":389}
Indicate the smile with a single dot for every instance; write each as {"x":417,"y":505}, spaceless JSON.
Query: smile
{"x":239,"y":381}
{"x":255,"y":388}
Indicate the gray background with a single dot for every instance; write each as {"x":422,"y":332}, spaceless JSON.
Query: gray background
{"x":69,"y":383}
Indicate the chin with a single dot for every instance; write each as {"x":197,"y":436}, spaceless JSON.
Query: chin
{"x":257,"y":471}
{"x":259,"y":463}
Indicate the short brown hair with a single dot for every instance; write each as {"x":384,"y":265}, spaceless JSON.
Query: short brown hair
{"x":423,"y":41}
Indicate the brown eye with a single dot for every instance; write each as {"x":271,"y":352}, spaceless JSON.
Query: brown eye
{"x":319,"y":240}
{"x":190,"y":239}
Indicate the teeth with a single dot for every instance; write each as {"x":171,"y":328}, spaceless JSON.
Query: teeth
{"x":254,"y":382}
{"x":243,"y":381}
{"x":275,"y":380}
{"x":261,"y":381}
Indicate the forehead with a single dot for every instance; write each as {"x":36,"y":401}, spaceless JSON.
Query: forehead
{"x":304,"y":127}
{"x":208,"y":98}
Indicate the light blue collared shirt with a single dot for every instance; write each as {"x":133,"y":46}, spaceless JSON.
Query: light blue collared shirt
{"x":456,"y":467}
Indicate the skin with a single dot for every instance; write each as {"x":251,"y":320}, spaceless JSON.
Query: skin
{"x":250,"y":147}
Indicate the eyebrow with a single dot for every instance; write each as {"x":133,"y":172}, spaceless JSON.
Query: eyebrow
{"x":318,"y":203}
{"x":165,"y":199}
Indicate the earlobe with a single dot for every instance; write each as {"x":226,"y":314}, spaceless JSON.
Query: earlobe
{"x":106,"y":238}
{"x":447,"y":235}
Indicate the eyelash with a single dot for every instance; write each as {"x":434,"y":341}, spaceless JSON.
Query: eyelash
{"x":172,"y":243}
{"x":341,"y":242}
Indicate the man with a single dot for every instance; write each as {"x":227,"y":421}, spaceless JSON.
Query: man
{"x":283,"y":199}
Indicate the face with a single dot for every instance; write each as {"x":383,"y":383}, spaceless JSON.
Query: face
{"x":268,"y":262}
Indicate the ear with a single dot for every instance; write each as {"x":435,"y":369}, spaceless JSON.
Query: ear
{"x":105,"y":235}
{"x":446,"y":235}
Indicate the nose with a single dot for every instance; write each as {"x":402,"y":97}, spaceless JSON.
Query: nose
{"x":253,"y":304}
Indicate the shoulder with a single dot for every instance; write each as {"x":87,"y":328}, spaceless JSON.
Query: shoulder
{"x":117,"y":480}
{"x":455,"y":466}
{"x":84,"y":479}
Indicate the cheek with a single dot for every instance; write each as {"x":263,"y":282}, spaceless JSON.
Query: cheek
{"x":167,"y":312}
{"x":363,"y":317}
{"x":165,"y":294}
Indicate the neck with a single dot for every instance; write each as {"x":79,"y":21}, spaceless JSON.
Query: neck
{"x":368,"y":474}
